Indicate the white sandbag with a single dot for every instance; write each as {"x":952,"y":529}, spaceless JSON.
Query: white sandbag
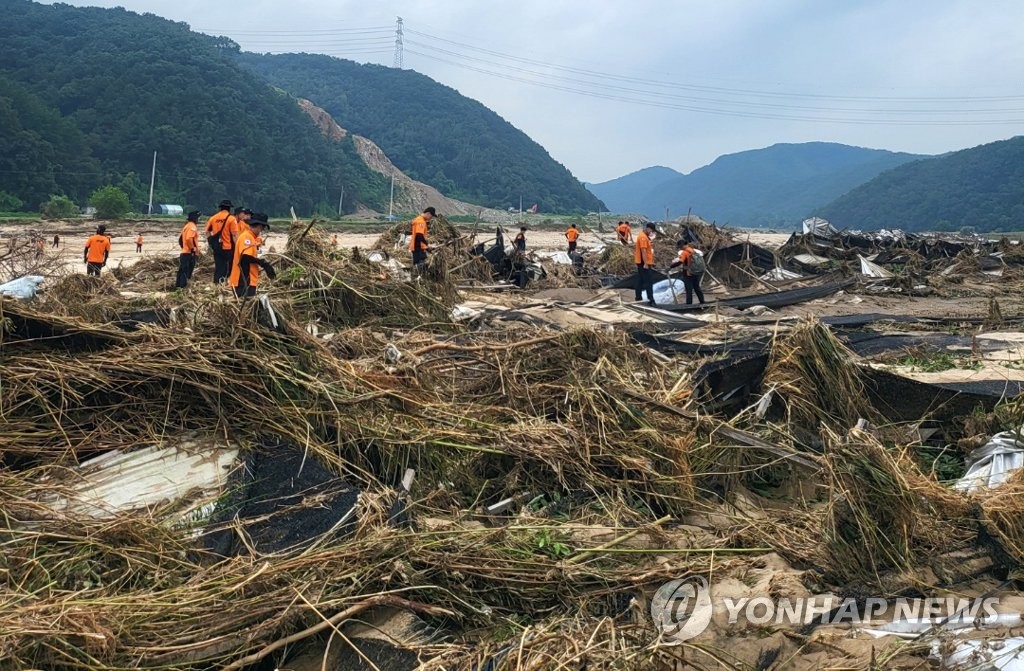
{"x":22,"y":288}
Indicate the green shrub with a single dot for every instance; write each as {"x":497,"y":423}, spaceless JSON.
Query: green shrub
{"x":9,"y":202}
{"x":110,"y":202}
{"x":58,"y":207}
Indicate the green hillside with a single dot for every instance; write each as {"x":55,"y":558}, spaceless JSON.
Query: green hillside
{"x":430,"y":131}
{"x":773,"y":186}
{"x":98,"y":90}
{"x":981,"y":187}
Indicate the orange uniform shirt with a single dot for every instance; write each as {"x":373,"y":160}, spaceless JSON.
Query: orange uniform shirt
{"x":138,"y":240}
{"x":246,"y":246}
{"x":98,"y":247}
{"x":572,"y":234}
{"x":419,"y":225}
{"x":224,"y":223}
{"x":624,"y":231}
{"x":643,"y":250}
{"x":190,"y":238}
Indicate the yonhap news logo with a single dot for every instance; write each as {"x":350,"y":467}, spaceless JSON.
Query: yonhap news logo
{"x":682,"y":609}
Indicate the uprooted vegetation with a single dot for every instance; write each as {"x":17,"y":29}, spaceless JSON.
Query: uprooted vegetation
{"x":561,"y":477}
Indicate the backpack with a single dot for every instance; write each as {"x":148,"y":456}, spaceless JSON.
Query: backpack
{"x":697,"y":264}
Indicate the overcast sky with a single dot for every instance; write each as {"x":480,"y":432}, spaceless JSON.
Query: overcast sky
{"x":610,"y":87}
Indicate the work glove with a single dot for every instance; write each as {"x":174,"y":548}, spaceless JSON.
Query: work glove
{"x":271,"y":273}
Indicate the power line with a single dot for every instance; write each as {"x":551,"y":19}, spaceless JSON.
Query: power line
{"x":715,"y":101}
{"x":708,"y":110}
{"x":711,"y":89}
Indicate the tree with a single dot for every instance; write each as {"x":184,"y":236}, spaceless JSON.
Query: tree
{"x":9,"y":202}
{"x":110,"y":202}
{"x":58,"y":207}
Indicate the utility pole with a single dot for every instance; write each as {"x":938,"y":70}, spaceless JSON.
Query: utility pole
{"x":399,"y":47}
{"x":152,"y":181}
{"x":342,"y":199}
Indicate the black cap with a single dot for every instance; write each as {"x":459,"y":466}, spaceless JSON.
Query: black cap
{"x":225,"y":204}
{"x":522,"y":228}
{"x":193,"y":215}
{"x":101,"y":229}
{"x":651,"y":226}
{"x":246,"y":210}
{"x":259,"y":219}
{"x":431,"y":210}
{"x":680,"y":243}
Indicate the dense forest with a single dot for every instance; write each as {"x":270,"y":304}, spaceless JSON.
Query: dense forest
{"x":430,"y":131}
{"x":773,"y":186}
{"x":87,"y":95}
{"x":981,"y":187}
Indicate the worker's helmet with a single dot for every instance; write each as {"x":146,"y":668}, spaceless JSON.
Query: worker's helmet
{"x":225,"y":204}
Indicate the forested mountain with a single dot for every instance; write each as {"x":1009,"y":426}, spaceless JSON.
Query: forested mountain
{"x":981,"y":187}
{"x":629,"y":192}
{"x":132,"y":84}
{"x":774,"y":186}
{"x":430,"y":131}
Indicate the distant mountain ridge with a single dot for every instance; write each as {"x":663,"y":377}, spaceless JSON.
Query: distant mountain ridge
{"x":774,"y":186}
{"x":981,"y":187}
{"x":431,"y":131}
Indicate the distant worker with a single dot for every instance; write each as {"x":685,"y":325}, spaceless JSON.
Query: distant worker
{"x":643,"y":257}
{"x":693,"y":265}
{"x":572,"y":235}
{"x":56,"y":241}
{"x":218,"y":234}
{"x":624,"y":233}
{"x":189,"y":241}
{"x":334,"y":241}
{"x":245,"y":267}
{"x":40,"y":247}
{"x":418,"y":243}
{"x":97,"y":251}
{"x":520,"y":240}
{"x":138,"y":244}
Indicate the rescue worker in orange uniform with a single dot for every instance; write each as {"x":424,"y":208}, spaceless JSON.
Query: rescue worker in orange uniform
{"x":418,"y":237}
{"x":572,"y":235}
{"x":219,"y":235}
{"x":138,"y":244}
{"x":693,"y":270}
{"x":97,"y":251}
{"x":624,"y":232}
{"x":246,"y":264}
{"x":643,"y":257}
{"x":189,"y":241}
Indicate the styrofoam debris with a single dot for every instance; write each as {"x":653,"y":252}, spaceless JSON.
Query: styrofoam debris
{"x":992,"y":463}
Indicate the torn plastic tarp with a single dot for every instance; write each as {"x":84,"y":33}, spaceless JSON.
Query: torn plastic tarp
{"x":992,"y":463}
{"x":23,"y":287}
{"x":810,"y":259}
{"x":779,"y":274}
{"x":819,"y":227}
{"x":871,"y":269}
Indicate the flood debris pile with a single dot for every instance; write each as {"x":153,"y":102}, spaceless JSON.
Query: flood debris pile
{"x":345,"y":470}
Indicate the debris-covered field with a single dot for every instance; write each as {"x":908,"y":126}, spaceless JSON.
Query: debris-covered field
{"x":496,"y":463}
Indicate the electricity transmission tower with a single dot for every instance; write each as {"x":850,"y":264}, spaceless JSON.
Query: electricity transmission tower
{"x":399,"y":47}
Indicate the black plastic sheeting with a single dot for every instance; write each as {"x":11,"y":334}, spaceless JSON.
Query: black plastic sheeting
{"x":777,"y":299}
{"x":902,"y":399}
{"x":630,"y":282}
{"x":283,"y":499}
